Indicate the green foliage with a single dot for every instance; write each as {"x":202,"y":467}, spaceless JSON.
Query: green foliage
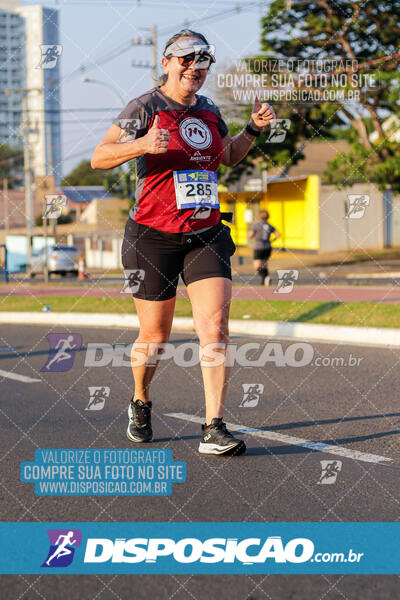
{"x":63,"y":219}
{"x":262,"y":154}
{"x":10,"y":167}
{"x":362,"y":165}
{"x":346,"y":30}
{"x":83,"y":174}
{"x":119,"y":182}
{"x":123,"y":182}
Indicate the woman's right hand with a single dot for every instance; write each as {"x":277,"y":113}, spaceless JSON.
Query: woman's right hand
{"x":156,"y":140}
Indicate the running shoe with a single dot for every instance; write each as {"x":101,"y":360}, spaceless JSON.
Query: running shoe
{"x":139,"y":428}
{"x":218,"y":440}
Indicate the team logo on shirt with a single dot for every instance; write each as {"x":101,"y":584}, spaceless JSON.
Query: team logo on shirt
{"x":195,"y":133}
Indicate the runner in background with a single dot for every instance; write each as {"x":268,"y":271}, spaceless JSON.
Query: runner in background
{"x":261,"y":232}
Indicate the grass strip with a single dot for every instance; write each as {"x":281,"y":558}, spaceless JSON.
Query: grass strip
{"x":359,"y":314}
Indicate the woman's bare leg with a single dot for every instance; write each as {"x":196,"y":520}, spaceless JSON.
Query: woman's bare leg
{"x":155,"y":318}
{"x":210,"y":300}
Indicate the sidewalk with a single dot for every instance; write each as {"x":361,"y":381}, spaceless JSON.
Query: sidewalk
{"x":370,"y":336}
{"x":330,"y":264}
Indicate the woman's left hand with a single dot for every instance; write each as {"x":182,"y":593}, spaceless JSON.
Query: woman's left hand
{"x":262,"y":114}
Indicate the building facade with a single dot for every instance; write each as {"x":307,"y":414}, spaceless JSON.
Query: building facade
{"x":29,"y":36}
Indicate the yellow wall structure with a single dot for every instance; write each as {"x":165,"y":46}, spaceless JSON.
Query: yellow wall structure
{"x":238,"y":203}
{"x":293,"y":206}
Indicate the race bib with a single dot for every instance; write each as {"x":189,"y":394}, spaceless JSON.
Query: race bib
{"x":196,"y":188}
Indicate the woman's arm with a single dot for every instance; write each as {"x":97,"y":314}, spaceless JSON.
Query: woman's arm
{"x":112,"y":151}
{"x":236,"y":148}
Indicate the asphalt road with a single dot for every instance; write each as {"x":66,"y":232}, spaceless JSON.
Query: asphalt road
{"x":354,"y":407}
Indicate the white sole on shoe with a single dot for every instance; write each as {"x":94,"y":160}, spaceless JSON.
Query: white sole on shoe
{"x":137,"y":440}
{"x":205,"y":448}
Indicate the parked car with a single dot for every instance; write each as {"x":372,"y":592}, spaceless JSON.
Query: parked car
{"x":61,"y":259}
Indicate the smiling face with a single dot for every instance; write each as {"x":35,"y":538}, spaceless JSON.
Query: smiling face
{"x":183,"y":81}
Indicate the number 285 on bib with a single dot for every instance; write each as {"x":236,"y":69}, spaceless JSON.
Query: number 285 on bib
{"x":196,"y":188}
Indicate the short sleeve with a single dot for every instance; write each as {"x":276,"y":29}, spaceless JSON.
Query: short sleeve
{"x":222,"y":126}
{"x":133,"y":120}
{"x":254,"y":227}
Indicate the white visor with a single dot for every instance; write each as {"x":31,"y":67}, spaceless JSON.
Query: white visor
{"x":187,"y":45}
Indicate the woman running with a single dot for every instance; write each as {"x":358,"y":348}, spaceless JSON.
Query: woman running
{"x":261,"y":232}
{"x":179,"y":139}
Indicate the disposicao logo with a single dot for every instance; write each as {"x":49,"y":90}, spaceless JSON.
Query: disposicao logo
{"x":190,"y":550}
{"x":62,"y":547}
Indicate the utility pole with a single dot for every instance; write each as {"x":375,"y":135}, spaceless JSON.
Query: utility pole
{"x":28,"y":178}
{"x":25,"y":131}
{"x":6,"y":211}
{"x":53,"y":221}
{"x":148,"y":42}
{"x":46,"y":247}
{"x":154,"y":48}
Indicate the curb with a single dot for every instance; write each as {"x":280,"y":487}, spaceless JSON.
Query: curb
{"x":371,"y":336}
{"x":383,"y":275}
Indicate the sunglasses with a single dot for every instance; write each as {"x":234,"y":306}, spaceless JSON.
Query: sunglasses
{"x":202,"y":60}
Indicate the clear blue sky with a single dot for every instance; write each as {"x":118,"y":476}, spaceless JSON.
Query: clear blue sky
{"x":92,"y":29}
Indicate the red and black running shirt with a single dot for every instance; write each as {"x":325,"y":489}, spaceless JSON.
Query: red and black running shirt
{"x":195,"y":134}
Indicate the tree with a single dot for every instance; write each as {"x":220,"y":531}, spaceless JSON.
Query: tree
{"x":83,"y":174}
{"x":365,"y":34}
{"x":63,"y":219}
{"x":11,"y":162}
{"x":119,"y":182}
{"x":306,"y":121}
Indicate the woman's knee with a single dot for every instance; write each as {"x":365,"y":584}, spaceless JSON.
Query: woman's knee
{"x":213,"y":329}
{"x":153,"y":336}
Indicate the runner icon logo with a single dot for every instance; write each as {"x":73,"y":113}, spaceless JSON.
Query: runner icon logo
{"x":330,"y":470}
{"x":62,"y":351}
{"x":251,"y":394}
{"x":54,"y":205}
{"x":63,"y":543}
{"x":50,"y":55}
{"x":129,"y":129}
{"x":357,"y":205}
{"x":287,"y":279}
{"x":195,"y":133}
{"x":278,"y":131}
{"x":97,"y":399}
{"x":133,"y":279}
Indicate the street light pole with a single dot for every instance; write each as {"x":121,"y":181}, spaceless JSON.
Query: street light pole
{"x":108,"y":85}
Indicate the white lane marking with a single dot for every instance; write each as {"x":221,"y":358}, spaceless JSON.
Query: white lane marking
{"x":23,"y":378}
{"x":289,"y":439}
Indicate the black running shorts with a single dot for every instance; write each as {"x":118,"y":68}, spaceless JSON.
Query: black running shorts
{"x":153,"y":259}
{"x":262,"y":254}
